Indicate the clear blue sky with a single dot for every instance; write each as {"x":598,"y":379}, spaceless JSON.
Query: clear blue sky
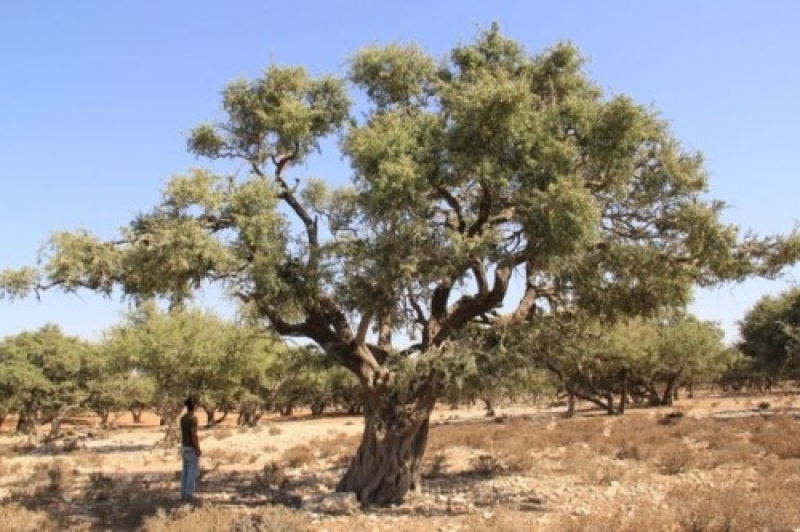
{"x":96,"y":97}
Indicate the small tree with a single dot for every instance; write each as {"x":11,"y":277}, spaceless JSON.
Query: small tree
{"x":643,"y":358}
{"x":115,"y":387}
{"x":769,"y":335}
{"x":45,"y":376}
{"x":465,"y":172}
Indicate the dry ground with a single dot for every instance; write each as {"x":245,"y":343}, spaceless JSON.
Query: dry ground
{"x":711,"y":464}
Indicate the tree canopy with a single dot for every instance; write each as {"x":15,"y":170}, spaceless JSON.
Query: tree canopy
{"x":44,"y":375}
{"x":490,"y":163}
{"x":770,"y":334}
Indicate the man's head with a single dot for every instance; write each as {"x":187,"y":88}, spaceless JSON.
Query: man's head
{"x":190,"y":404}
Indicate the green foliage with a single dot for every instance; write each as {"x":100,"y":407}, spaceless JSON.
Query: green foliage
{"x":189,"y":351}
{"x":646,"y":358}
{"x":770,"y":333}
{"x":44,"y":372}
{"x":492,"y":163}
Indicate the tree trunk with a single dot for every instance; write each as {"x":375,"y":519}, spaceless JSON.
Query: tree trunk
{"x":388,"y":461}
{"x":210,"y":412}
{"x":104,"y":414}
{"x":58,"y":420}
{"x":355,"y":408}
{"x":623,"y":400}
{"x":610,"y":404}
{"x":137,"y":415}
{"x":317,"y":408}
{"x":571,"y":399}
{"x":489,"y":402}
{"x":3,"y":417}
{"x":169,"y":416}
{"x":26,"y":423}
{"x":669,"y":392}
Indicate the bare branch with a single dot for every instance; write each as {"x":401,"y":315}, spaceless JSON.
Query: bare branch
{"x":472,"y":305}
{"x":363,"y":327}
{"x":420,"y":315}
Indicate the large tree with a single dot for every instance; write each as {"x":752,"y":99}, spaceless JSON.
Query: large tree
{"x":464,"y":172}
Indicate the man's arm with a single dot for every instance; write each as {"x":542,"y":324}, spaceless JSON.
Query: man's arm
{"x":195,"y":438}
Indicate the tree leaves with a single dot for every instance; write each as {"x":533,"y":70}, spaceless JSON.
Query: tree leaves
{"x":466,"y":172}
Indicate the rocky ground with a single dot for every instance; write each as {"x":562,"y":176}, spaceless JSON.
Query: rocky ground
{"x":706,"y":463}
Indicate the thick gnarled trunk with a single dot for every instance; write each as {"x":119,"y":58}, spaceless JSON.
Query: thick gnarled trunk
{"x":388,"y":462}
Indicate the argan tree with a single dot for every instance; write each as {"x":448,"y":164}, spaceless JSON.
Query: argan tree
{"x":45,"y":375}
{"x":770,"y":336}
{"x":489,"y":166}
{"x":185,"y":351}
{"x":646,"y":359}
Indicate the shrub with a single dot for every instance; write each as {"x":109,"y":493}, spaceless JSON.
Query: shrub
{"x":674,"y":458}
{"x":16,"y":518}
{"x":272,"y":476}
{"x":736,"y":509}
{"x":486,"y":465}
{"x":298,"y":456}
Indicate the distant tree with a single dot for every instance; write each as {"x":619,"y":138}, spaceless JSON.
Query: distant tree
{"x":186,"y":351}
{"x":769,"y":334}
{"x":466,"y":172}
{"x":643,"y":358}
{"x":45,"y":375}
{"x":686,"y":350}
{"x":115,"y":387}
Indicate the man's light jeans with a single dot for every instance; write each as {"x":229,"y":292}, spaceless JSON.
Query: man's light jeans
{"x":191,"y":470}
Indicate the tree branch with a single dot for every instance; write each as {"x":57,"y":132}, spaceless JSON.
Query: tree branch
{"x":420,"y":315}
{"x":470,"y":306}
{"x":363,"y":327}
{"x":484,"y":210}
{"x":479,"y":271}
{"x":454,"y":204}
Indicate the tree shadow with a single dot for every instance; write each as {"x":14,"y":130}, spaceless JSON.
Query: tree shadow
{"x":120,"y":448}
{"x":125,"y":501}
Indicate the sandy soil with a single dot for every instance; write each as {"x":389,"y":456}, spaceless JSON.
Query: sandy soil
{"x":234,"y":455}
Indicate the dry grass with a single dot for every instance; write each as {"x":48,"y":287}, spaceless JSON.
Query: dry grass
{"x":637,"y":520}
{"x":778,"y":435}
{"x":736,"y":509}
{"x":298,"y":456}
{"x":271,"y":476}
{"x":333,"y":446}
{"x":89,"y":459}
{"x":215,"y":519}
{"x":222,"y":456}
{"x":15,"y":517}
{"x":641,"y":471}
{"x":674,"y":458}
{"x":221,"y":433}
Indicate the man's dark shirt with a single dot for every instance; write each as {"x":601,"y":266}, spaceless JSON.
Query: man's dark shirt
{"x":188,"y":426}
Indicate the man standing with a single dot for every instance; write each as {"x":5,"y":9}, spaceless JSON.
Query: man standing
{"x":190,"y":451}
